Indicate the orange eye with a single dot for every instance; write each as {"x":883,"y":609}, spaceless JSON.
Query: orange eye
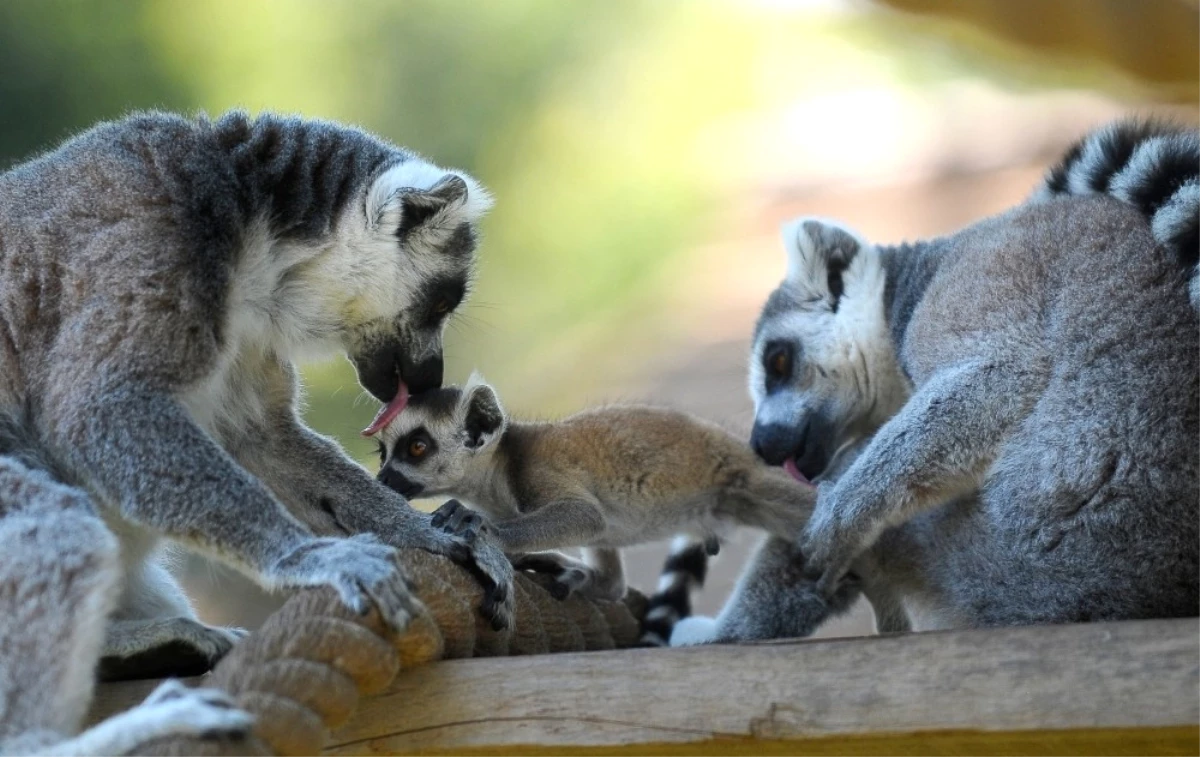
{"x":417,"y":448}
{"x":442,"y":307}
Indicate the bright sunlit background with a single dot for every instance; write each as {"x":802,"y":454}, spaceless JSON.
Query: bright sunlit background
{"x":642,"y":154}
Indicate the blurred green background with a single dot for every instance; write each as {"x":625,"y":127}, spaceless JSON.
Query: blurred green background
{"x":642,"y":153}
{"x":592,"y":122}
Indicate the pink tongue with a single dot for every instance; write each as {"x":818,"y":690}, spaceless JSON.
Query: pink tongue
{"x":388,"y":412}
{"x":789,"y":466}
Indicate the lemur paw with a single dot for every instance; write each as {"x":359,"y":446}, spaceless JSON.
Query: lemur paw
{"x":362,"y":569}
{"x":457,"y":519}
{"x":830,"y":543}
{"x":174,"y":709}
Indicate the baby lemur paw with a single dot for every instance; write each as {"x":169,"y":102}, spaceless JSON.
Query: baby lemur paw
{"x":362,"y":569}
{"x":457,"y":519}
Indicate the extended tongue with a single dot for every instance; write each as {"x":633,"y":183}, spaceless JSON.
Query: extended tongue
{"x":388,"y":412}
{"x":789,"y":466}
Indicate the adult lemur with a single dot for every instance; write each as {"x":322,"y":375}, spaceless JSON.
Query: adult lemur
{"x":1020,"y":400}
{"x":159,"y":279}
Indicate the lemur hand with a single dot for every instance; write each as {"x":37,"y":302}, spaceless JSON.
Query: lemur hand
{"x":485,"y":560}
{"x":362,"y":570}
{"x":831,"y":541}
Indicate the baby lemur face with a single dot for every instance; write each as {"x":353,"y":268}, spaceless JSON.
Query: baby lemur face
{"x":436,"y":443}
{"x":822,"y":369}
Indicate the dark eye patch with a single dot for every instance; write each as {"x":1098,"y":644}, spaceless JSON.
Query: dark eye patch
{"x":418,"y":434}
{"x":778,"y":361}
{"x":441,"y":298}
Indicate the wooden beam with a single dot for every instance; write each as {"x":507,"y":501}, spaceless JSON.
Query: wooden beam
{"x":1104,"y":688}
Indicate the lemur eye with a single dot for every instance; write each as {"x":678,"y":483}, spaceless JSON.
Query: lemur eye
{"x":779,"y":363}
{"x":442,"y":307}
{"x":417,"y":448}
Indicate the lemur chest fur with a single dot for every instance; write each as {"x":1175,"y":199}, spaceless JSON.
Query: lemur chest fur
{"x":257,"y":321}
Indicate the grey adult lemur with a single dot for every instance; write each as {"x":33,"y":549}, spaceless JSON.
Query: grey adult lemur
{"x":602,"y":479}
{"x":159,"y":279}
{"x":60,"y":577}
{"x":1020,"y":400}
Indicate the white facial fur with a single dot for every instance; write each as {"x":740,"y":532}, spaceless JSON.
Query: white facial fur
{"x":460,"y":458}
{"x":300,"y":299}
{"x":844,"y":364}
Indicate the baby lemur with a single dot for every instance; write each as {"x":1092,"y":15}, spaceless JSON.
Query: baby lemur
{"x":602,"y":479}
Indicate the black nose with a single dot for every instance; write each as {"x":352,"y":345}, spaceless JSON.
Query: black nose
{"x":423,"y":376}
{"x":807,"y":441}
{"x":777,"y":442}
{"x":381,"y":366}
{"x":396,"y":481}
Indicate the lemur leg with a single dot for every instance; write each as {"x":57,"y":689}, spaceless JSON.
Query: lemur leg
{"x":600,"y":575}
{"x":59,"y":580}
{"x":333,"y":494}
{"x":129,"y":438}
{"x":773,"y":599}
{"x":607,"y":573}
{"x":775,"y":502}
{"x":938,"y":446}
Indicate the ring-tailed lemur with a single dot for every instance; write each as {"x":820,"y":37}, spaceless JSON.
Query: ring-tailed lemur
{"x":602,"y":479}
{"x":60,"y":577}
{"x":159,"y":279}
{"x":1023,"y":394}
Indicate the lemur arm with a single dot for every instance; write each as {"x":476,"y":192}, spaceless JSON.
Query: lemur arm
{"x":938,"y":446}
{"x":143,"y":454}
{"x":334,"y":494}
{"x":568,"y":522}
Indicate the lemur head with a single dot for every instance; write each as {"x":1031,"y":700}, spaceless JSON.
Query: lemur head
{"x":441,"y":439}
{"x":399,"y":264}
{"x":822,"y":367}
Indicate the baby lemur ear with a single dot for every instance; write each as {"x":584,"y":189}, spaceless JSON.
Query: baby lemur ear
{"x":484,"y":419}
{"x":820,"y":253}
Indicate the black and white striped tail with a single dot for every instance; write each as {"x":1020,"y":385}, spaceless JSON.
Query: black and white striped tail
{"x":1151,"y":165}
{"x":683,"y":573}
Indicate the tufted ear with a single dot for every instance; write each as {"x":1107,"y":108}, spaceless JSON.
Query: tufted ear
{"x":820,"y":253}
{"x":484,"y":420}
{"x":415,"y":199}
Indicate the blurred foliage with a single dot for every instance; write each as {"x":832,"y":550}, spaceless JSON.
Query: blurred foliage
{"x":594,"y":124}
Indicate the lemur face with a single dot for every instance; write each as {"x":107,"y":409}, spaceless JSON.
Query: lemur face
{"x":428,"y":448}
{"x":819,"y":348}
{"x":410,"y":268}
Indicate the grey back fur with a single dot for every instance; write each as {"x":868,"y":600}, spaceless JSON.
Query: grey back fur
{"x":1043,"y":466}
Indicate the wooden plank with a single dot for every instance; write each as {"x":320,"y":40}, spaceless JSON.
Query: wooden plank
{"x":1113,"y":688}
{"x":1105,"y":688}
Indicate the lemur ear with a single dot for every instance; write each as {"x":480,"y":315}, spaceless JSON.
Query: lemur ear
{"x":819,"y":254}
{"x":416,"y":199}
{"x":484,"y":419}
